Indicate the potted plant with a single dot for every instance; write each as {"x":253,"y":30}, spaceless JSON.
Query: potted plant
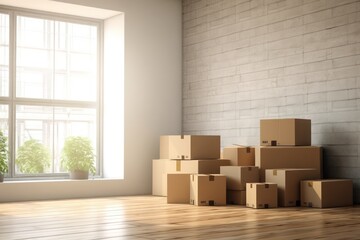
{"x":32,"y":157}
{"x":3,"y":156}
{"x":78,"y":157}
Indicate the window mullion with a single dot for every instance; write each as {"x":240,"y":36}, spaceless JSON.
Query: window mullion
{"x":12,"y":92}
{"x":53,"y":94}
{"x":100,"y":104}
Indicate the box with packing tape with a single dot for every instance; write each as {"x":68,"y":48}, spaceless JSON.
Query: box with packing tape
{"x":189,"y":147}
{"x":288,"y":157}
{"x":327,"y":193}
{"x":236,"y":197}
{"x":285,"y":132}
{"x":288,"y":182}
{"x":207,"y":190}
{"x":238,"y":176}
{"x":239,"y":155}
{"x":161,"y":167}
{"x":261,"y":195}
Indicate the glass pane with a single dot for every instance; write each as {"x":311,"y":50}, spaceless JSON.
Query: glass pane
{"x":56,"y":60}
{"x":34,"y":59}
{"x":4,"y":55}
{"x":33,"y":84}
{"x":4,"y":143}
{"x":75,"y":61}
{"x":72,"y":122}
{"x":41,"y":132}
{"x":33,"y":139}
{"x":4,"y":81}
{"x":4,"y":29}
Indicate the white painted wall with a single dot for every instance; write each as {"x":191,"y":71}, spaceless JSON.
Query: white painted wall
{"x":153,"y":69}
{"x":113,"y":98}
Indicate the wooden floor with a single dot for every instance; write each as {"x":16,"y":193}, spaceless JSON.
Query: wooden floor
{"x":148,"y":217}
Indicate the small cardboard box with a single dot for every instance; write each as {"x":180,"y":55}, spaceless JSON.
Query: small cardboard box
{"x":261,"y":195}
{"x":327,"y":193}
{"x":238,"y":176}
{"x":288,"y":157}
{"x":178,"y":188}
{"x":288,"y":182}
{"x":207,"y":190}
{"x":240,"y":155}
{"x":236,"y":197}
{"x":162,"y":167}
{"x":189,"y":147}
{"x":285,"y":132}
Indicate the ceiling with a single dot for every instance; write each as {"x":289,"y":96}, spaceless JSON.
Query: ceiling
{"x":60,"y":7}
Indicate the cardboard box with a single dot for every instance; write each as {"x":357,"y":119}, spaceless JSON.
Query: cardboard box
{"x":236,"y":197}
{"x":207,"y":190}
{"x":178,"y":188}
{"x":261,"y":195}
{"x":327,"y":193}
{"x":238,"y":176}
{"x":288,"y":157}
{"x":165,"y":147}
{"x":240,"y":155}
{"x":189,"y":147}
{"x":288,"y":182}
{"x":161,"y":167}
{"x":197,"y":166}
{"x":285,"y":132}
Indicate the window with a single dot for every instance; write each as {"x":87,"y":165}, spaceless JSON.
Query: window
{"x":50,"y":88}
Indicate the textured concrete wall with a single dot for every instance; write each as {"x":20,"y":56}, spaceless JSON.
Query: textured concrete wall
{"x":247,"y":60}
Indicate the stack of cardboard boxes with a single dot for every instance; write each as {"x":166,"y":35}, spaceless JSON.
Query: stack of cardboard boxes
{"x":244,"y":185}
{"x":287,"y":159}
{"x":236,"y":179}
{"x":284,"y":171}
{"x":188,"y":170}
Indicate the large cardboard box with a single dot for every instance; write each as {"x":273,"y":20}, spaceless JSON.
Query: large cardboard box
{"x":285,"y":132}
{"x":239,"y":155}
{"x":164,"y":147}
{"x":288,"y":182}
{"x":261,"y":195}
{"x":236,"y":197}
{"x":159,"y":177}
{"x":238,"y":176}
{"x":327,"y":193}
{"x":189,"y":147}
{"x":178,"y":188}
{"x":161,"y":167}
{"x":288,"y":157}
{"x":207,"y":190}
{"x":197,"y":166}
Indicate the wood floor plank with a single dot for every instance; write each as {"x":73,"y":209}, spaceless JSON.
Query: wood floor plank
{"x":149,"y":217}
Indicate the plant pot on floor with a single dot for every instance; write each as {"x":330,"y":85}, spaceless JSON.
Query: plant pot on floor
{"x":1,"y":177}
{"x":79,"y":175}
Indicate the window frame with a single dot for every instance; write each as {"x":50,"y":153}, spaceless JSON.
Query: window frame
{"x":12,"y":100}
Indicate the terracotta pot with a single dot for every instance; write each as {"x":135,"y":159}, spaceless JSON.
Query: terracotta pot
{"x":77,"y":174}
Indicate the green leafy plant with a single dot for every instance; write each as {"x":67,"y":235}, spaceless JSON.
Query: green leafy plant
{"x":78,"y":155}
{"x":32,"y":157}
{"x":3,"y":154}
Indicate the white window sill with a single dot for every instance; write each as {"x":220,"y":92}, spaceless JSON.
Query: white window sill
{"x":19,"y":180}
{"x":34,"y":190}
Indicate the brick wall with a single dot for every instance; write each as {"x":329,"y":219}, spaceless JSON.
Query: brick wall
{"x":247,"y":60}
